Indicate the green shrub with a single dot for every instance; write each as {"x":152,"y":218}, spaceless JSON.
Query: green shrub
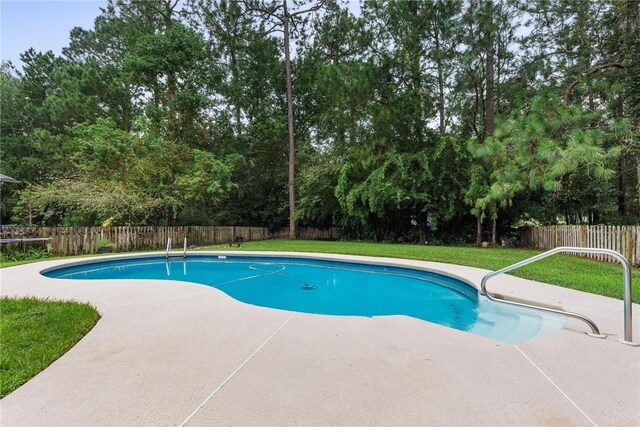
{"x":12,"y":255}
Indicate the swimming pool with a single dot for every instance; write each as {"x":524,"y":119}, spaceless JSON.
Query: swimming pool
{"x":334,"y":288}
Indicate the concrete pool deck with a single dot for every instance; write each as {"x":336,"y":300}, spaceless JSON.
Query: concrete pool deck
{"x":177,"y":353}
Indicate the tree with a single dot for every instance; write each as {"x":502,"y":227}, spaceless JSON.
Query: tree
{"x":282,"y":17}
{"x":550,"y":147}
{"x":632,"y":82}
{"x":129,"y":179}
{"x":472,"y":114}
{"x":101,"y":51}
{"x":485,"y":67}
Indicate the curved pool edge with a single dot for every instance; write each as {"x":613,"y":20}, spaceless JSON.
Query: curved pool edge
{"x":439,"y":268}
{"x":468,"y":312}
{"x":600,"y":308}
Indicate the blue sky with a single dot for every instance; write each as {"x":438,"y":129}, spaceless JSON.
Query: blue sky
{"x":43,"y":25}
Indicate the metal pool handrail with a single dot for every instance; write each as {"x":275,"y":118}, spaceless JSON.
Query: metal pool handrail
{"x":185,"y":248}
{"x":628,"y":333}
{"x":184,"y":254}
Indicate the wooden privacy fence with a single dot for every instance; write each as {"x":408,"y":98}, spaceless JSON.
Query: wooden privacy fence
{"x":311,"y":233}
{"x":308,"y":233}
{"x":624,"y":239}
{"x":87,"y":240}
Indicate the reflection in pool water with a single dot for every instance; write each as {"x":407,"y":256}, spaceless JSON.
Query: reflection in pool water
{"x":335,"y":288}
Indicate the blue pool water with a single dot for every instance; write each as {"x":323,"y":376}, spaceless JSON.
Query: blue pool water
{"x":335,"y":288}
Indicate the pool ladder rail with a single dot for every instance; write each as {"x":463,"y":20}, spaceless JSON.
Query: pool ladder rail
{"x":184,"y":253}
{"x":595,"y":332}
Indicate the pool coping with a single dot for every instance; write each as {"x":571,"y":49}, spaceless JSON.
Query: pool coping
{"x":564,"y":362}
{"x":358,"y":259}
{"x":354,"y":259}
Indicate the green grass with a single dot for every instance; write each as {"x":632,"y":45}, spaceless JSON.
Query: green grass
{"x":6,"y":263}
{"x":34,"y":333}
{"x":564,"y":270}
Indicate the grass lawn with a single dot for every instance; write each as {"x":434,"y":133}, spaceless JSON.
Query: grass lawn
{"x":34,"y":333}
{"x":5,"y":263}
{"x":10,"y":263}
{"x":564,"y":270}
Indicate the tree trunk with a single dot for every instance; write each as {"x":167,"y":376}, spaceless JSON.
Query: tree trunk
{"x":489,"y":120}
{"x":292,"y":170}
{"x":621,"y":184}
{"x":171,"y":218}
{"x":416,"y":76}
{"x":494,"y":230}
{"x":234,"y":82}
{"x":633,"y":27}
{"x":441,"y":127}
{"x":638,"y":178}
{"x":476,"y":106}
{"x":172,"y":128}
{"x":479,"y":230}
{"x":632,"y":61}
{"x":172,"y":84}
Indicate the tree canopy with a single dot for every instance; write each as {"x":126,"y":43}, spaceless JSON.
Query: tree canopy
{"x":473,"y":116}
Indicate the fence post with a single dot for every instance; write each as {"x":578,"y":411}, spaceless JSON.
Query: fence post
{"x":628,"y":245}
